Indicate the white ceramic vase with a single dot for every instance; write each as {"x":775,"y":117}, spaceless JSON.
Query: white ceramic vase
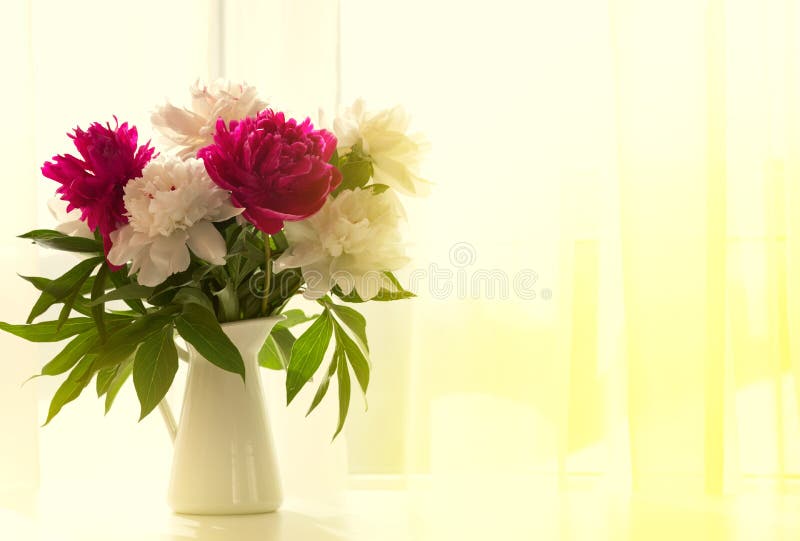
{"x":224,"y":461}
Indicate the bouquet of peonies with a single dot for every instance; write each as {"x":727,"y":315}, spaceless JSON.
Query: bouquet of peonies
{"x":242,"y":210}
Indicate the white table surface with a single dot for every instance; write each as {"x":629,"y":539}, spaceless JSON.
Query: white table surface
{"x":454,"y":509}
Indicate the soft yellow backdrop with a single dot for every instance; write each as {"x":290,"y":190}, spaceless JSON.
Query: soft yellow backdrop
{"x":642,"y":157}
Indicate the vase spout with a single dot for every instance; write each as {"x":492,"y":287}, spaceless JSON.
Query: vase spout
{"x":249,"y":335}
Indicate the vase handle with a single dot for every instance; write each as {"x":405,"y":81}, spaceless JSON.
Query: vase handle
{"x":164,"y":407}
{"x":169,"y":419}
{"x":183,"y":353}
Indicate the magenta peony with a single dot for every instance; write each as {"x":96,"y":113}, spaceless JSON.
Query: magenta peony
{"x":94,"y":184}
{"x":276,"y":169}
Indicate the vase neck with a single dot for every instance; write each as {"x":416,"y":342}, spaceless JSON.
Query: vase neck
{"x":249,"y":335}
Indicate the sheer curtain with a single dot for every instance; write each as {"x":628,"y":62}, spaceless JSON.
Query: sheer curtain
{"x":71,"y":64}
{"x":18,"y":434}
{"x":642,"y":158}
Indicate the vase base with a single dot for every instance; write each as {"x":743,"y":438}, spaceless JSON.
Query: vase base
{"x":226,"y":510}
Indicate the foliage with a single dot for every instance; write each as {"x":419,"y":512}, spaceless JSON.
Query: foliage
{"x":117,"y":328}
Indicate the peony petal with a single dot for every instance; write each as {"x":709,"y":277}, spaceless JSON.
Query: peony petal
{"x":207,"y":243}
{"x":225,"y":211}
{"x":264,"y":220}
{"x":123,"y":247}
{"x":300,"y":255}
{"x":351,"y":241}
{"x":174,"y":122}
{"x":369,"y":284}
{"x":149,"y":273}
{"x":167,"y":256}
{"x":383,"y":135}
{"x":397,"y":175}
{"x":94,"y":185}
{"x":69,"y":223}
{"x":191,"y":129}
{"x":318,"y":280}
{"x":274,"y":167}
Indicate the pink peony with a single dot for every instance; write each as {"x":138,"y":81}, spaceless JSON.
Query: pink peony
{"x":94,"y":185}
{"x":276,"y":169}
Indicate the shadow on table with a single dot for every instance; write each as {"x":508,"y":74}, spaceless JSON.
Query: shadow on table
{"x":279,"y":526}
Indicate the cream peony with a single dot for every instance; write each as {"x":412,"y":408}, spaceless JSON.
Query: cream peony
{"x":69,"y":223}
{"x":170,"y":210}
{"x":349,"y":243}
{"x":382,"y":135}
{"x":188,"y":130}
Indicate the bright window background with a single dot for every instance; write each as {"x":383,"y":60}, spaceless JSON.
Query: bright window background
{"x":90,"y":63}
{"x":640,"y":156}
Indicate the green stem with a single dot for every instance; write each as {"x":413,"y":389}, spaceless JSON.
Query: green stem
{"x":267,"y":274}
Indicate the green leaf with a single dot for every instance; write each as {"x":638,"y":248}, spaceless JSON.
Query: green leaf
{"x":356,"y":357}
{"x":71,"y":354}
{"x":123,"y":344}
{"x":98,"y":310}
{"x":384,"y":295}
{"x":251,"y":307}
{"x":295,"y":317}
{"x":377,"y":188}
{"x":123,"y":373}
{"x":77,"y":348}
{"x":353,"y":320}
{"x":233,"y":234}
{"x":154,"y":369}
{"x":228,"y":302}
{"x":48,"y":331}
{"x":201,"y":272}
{"x":253,"y":259}
{"x":119,"y":279}
{"x":307,"y":354}
{"x":166,"y":291}
{"x":81,"y":305}
{"x":343,"y":375}
{"x":325,"y":383}
{"x":277,"y":349}
{"x":127,"y":291}
{"x":349,"y":297}
{"x":104,"y":379}
{"x":193,"y":295}
{"x":38,"y":282}
{"x":59,"y":241}
{"x":285,"y":284}
{"x":270,"y":355}
{"x":71,"y":388}
{"x":65,"y":286}
{"x":356,"y":172}
{"x":86,"y":288}
{"x":395,"y":282}
{"x":280,"y":241}
{"x":201,"y":329}
{"x":69,"y":302}
{"x":334,"y":161}
{"x":234,"y":264}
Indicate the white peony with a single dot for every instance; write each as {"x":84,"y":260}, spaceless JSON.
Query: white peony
{"x":349,"y":243}
{"x":189,"y":130}
{"x":395,"y":154}
{"x":170,"y":210}
{"x":69,"y":223}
